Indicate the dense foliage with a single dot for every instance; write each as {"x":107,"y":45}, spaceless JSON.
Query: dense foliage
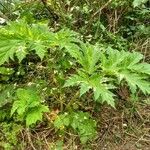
{"x":59,"y":58}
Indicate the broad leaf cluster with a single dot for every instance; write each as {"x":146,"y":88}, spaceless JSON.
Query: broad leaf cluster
{"x":28,"y":106}
{"x":102,"y":71}
{"x":19,"y":38}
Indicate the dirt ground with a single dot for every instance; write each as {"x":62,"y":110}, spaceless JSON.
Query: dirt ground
{"x":124,"y":128}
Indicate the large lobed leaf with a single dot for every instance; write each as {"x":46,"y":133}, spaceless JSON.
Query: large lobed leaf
{"x":19,"y":38}
{"x":28,"y":106}
{"x":95,"y":82}
{"x":127,"y":66}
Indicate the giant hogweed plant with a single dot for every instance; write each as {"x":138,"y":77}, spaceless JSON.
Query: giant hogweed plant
{"x":101,"y":71}
{"x":19,"y":39}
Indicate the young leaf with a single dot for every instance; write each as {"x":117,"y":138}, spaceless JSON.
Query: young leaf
{"x":89,"y":58}
{"x":28,"y":106}
{"x":35,"y":114}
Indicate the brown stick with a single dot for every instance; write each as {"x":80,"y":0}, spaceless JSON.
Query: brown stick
{"x":99,"y":11}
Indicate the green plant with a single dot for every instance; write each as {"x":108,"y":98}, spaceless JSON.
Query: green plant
{"x":28,"y":106}
{"x":98,"y":69}
{"x":80,"y":121}
{"x":102,"y":70}
{"x":24,"y":39}
{"x":127,"y":66}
